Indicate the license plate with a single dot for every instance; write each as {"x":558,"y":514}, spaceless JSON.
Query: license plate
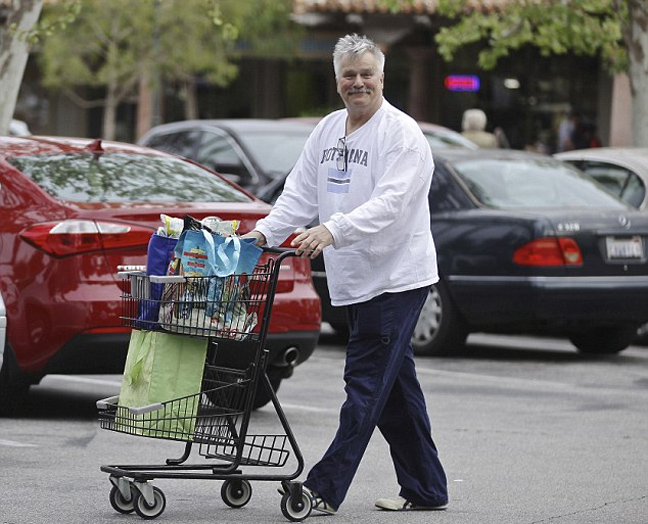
{"x":624,"y":248}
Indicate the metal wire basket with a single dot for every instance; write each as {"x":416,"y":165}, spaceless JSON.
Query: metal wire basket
{"x":222,"y":307}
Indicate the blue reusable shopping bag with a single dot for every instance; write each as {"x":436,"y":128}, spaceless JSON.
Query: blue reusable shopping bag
{"x":159,"y":254}
{"x":202,"y":253}
{"x":234,"y":257}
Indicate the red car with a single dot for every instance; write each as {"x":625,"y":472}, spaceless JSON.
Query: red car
{"x":72,"y":211}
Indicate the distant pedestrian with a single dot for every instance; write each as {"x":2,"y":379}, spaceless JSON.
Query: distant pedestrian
{"x":565,"y":132}
{"x":473,"y":127}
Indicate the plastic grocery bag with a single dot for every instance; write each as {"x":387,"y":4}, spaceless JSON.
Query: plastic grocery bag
{"x":163,"y":367}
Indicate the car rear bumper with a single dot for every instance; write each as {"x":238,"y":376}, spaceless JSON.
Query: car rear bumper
{"x":105,"y":353}
{"x":551,"y":300}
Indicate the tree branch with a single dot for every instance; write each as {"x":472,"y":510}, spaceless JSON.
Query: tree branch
{"x":82,"y":102}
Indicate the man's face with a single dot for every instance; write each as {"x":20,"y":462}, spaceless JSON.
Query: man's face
{"x":360,"y":83}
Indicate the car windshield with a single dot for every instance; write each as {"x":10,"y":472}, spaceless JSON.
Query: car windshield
{"x":276,"y":151}
{"x":119,"y":177}
{"x":538,"y":183}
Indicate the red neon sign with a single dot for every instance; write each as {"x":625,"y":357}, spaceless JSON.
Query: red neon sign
{"x":466,"y":83}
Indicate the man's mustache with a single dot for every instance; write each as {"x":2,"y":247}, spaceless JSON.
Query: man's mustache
{"x":360,"y":90}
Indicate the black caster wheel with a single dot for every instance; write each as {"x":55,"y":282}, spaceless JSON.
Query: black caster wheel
{"x":146,"y":511}
{"x":296,"y":509}
{"x":236,"y":493}
{"x":119,"y":502}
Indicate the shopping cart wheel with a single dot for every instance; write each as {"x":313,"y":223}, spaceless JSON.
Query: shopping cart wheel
{"x":236,"y":493}
{"x":119,"y":502}
{"x":146,"y":510}
{"x":295,"y":508}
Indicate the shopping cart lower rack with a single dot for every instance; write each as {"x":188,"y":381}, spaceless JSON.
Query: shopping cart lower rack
{"x":215,"y":420}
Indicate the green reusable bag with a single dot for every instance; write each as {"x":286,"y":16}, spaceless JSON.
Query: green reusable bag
{"x":161,"y":368}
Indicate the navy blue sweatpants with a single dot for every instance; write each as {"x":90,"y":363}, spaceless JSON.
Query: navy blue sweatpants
{"x":382,"y":390}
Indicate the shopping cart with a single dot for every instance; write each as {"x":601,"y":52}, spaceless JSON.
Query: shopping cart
{"x":227,"y":310}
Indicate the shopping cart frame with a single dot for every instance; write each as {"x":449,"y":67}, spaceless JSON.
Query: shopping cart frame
{"x":228,"y":440}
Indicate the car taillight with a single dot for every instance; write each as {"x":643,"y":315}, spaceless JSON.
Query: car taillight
{"x":73,"y":237}
{"x":562,"y":251}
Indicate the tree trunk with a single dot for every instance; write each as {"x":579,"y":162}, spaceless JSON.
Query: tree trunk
{"x":14,"y":51}
{"x":109,"y":116}
{"x":639,"y":76}
{"x":145,"y":101}
{"x":191,"y":99}
{"x":638,"y":53}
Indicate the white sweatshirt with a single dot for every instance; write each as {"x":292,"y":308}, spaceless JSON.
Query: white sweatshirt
{"x":377,"y":211}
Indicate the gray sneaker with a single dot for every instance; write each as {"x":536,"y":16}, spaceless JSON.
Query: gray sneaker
{"x":401,"y":504}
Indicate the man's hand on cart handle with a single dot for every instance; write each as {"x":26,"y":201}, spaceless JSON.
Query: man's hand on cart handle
{"x":311,"y":242}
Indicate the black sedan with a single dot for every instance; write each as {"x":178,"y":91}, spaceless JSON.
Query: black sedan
{"x":527,"y":244}
{"x":251,"y":152}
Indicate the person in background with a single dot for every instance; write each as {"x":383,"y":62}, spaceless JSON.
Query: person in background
{"x":565,"y":132}
{"x":365,"y":173}
{"x":473,"y":127}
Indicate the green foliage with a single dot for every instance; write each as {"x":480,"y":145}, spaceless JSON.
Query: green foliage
{"x":584,"y":27}
{"x":67,"y":11}
{"x":117,"y":42}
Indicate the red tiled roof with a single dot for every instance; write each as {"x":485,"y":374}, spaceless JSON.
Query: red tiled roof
{"x":374,"y":6}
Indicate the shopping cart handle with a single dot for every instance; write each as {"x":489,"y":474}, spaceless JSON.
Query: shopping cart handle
{"x":105,"y":402}
{"x":279,"y":250}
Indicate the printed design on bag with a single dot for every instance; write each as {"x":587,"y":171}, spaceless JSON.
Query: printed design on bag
{"x":195,"y":261}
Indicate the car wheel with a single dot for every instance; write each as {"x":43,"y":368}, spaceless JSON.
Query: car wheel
{"x":440,"y":330}
{"x":13,"y":389}
{"x":604,"y":340}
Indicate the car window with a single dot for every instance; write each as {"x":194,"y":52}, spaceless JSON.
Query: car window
{"x":276,"y":152}
{"x":182,"y":143}
{"x":218,"y":153}
{"x":539,"y":183}
{"x":618,"y":180}
{"x":445,"y":195}
{"x":634,"y":191}
{"x":125,"y":178}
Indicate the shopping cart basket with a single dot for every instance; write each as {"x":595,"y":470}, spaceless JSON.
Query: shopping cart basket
{"x":216,"y":420}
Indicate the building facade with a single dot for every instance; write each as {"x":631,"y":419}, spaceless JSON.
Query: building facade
{"x":526,"y":95}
